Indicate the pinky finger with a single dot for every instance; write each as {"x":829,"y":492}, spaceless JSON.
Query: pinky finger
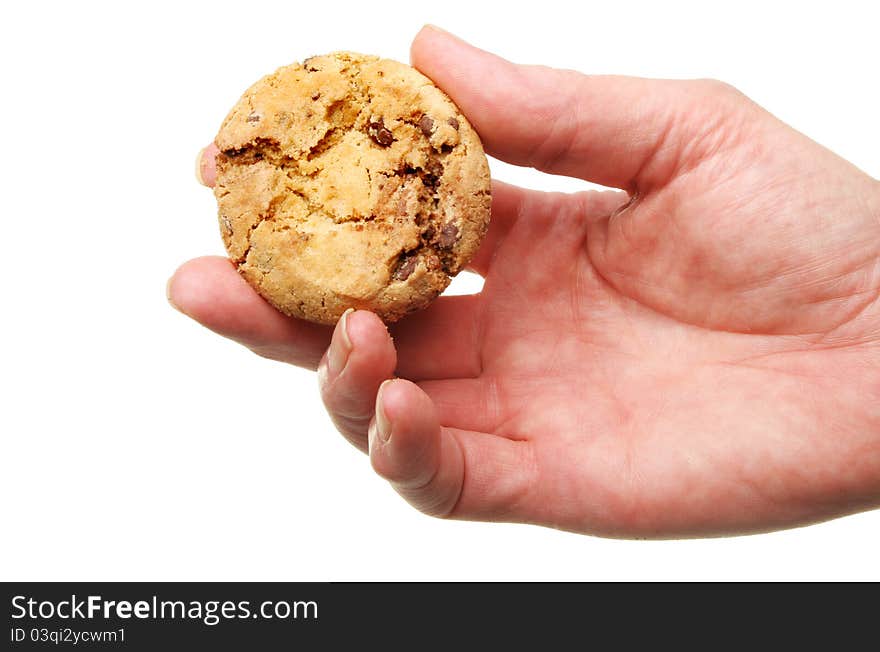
{"x":447,"y":472}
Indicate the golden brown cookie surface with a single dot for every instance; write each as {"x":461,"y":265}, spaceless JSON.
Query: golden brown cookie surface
{"x":349,"y":181}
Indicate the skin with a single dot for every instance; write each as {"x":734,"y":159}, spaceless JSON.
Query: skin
{"x":696,"y":355}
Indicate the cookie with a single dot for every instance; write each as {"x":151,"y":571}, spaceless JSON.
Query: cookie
{"x":349,"y":181}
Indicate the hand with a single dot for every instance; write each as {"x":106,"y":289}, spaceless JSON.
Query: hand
{"x":699,"y":355}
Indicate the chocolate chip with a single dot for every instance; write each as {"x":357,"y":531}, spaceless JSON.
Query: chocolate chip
{"x":428,"y":233}
{"x":405,"y":267}
{"x":426,"y":124}
{"x":448,"y":236}
{"x":433,"y":171}
{"x":434,"y":167}
{"x":453,"y":123}
{"x":384,"y":137}
{"x":380,"y":133}
{"x":253,"y":117}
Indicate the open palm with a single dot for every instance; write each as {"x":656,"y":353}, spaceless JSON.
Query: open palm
{"x":699,"y":355}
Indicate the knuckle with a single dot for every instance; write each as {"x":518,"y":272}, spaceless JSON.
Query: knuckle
{"x":347,"y":411}
{"x":347,"y":401}
{"x":420,"y":489}
{"x":559,"y":139}
{"x":350,"y":425}
{"x":286,"y":354}
{"x":440,"y":506}
{"x":717,"y":92}
{"x":270,"y":352}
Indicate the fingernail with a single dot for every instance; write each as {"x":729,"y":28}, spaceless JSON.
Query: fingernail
{"x":440,"y":30}
{"x":340,"y":347}
{"x":199,"y":165}
{"x":168,"y":295}
{"x":383,"y":426}
{"x":206,"y":165}
{"x":322,"y":372}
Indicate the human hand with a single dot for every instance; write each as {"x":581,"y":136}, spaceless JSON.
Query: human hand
{"x":697,"y":356}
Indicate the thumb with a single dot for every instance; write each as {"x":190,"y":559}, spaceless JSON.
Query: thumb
{"x":623,"y":132}
{"x":448,"y":472}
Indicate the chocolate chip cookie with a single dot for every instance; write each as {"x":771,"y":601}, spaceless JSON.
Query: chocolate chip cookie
{"x":349,"y":181}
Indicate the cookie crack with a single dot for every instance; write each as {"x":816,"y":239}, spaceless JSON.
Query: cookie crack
{"x":259,"y":149}
{"x":405,"y":262}
{"x":265,"y":216}
{"x":314,"y":207}
{"x":332,"y":136}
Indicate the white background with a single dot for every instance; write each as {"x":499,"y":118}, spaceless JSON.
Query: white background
{"x":137,"y":445}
